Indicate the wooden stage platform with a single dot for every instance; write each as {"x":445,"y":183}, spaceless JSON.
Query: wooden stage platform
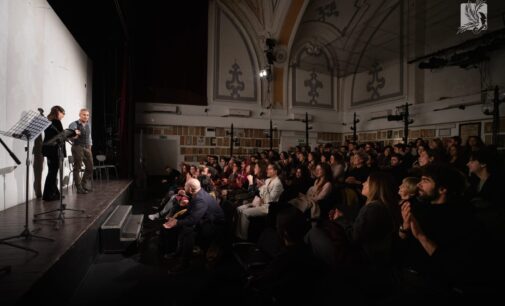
{"x":52,"y":275}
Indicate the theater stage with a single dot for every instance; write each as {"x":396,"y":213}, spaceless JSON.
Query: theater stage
{"x":52,"y":275}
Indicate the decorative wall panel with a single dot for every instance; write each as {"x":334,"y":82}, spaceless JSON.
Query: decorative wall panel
{"x":235,"y":72}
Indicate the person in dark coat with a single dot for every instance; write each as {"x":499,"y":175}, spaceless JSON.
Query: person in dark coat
{"x":51,"y":191}
{"x":440,"y":236}
{"x":204,"y":218}
{"x":486,"y":196}
{"x":359,"y":172}
{"x":485,"y":183}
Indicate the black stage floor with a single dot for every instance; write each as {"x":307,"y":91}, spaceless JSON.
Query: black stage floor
{"x":61,"y":264}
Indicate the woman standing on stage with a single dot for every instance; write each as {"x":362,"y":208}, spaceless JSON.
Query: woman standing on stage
{"x":51,"y":191}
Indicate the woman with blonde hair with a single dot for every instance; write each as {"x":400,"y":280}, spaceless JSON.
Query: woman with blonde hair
{"x":408,"y":188}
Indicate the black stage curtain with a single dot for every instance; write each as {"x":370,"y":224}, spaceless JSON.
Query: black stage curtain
{"x":171,"y":52}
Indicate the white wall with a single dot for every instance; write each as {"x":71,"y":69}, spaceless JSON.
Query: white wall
{"x":433,"y":89}
{"x":41,"y":65}
{"x":227,"y":43}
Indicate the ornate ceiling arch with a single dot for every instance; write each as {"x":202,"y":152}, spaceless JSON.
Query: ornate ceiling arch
{"x":365,"y":39}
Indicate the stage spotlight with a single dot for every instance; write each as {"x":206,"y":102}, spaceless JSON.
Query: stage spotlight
{"x":265,"y":73}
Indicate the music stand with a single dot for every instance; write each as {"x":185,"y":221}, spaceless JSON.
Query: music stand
{"x":59,"y":141}
{"x":27,"y":128}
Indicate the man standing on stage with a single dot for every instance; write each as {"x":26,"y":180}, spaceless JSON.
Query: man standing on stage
{"x":81,"y":150}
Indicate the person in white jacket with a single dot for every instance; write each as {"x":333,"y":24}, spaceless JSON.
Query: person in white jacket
{"x":269,"y":191}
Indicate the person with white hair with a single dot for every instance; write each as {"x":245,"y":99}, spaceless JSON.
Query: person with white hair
{"x":204,"y":217}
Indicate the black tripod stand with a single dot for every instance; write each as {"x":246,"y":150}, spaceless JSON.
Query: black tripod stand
{"x":7,"y":269}
{"x":26,"y":233}
{"x":59,"y":141}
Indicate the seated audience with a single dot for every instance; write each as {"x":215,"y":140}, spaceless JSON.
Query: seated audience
{"x":407,"y":158}
{"x":193,"y":171}
{"x":212,"y":161}
{"x":437,"y":145}
{"x":171,"y":206}
{"x":203,"y":217}
{"x":426,"y":157}
{"x":396,"y":168}
{"x":370,"y":238}
{"x":359,"y":172}
{"x":414,"y":226}
{"x":486,"y":183}
{"x":408,"y":189}
{"x":457,"y":142}
{"x":259,"y":173}
{"x":438,"y":232}
{"x":268,"y":191}
{"x":300,"y":183}
{"x":312,"y":168}
{"x":486,"y":198}
{"x":383,"y":160}
{"x":457,"y":160}
{"x":473,"y":143}
{"x":454,"y":141}
{"x":313,"y":156}
{"x":302,"y":159}
{"x":318,"y":192}
{"x":338,"y":168}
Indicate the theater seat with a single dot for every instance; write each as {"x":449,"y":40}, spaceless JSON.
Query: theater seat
{"x":258,"y":224}
{"x":251,"y":256}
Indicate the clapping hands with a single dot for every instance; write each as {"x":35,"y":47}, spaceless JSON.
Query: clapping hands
{"x":410,"y":222}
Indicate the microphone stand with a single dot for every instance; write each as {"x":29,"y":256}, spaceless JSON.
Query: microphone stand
{"x":59,"y":140}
